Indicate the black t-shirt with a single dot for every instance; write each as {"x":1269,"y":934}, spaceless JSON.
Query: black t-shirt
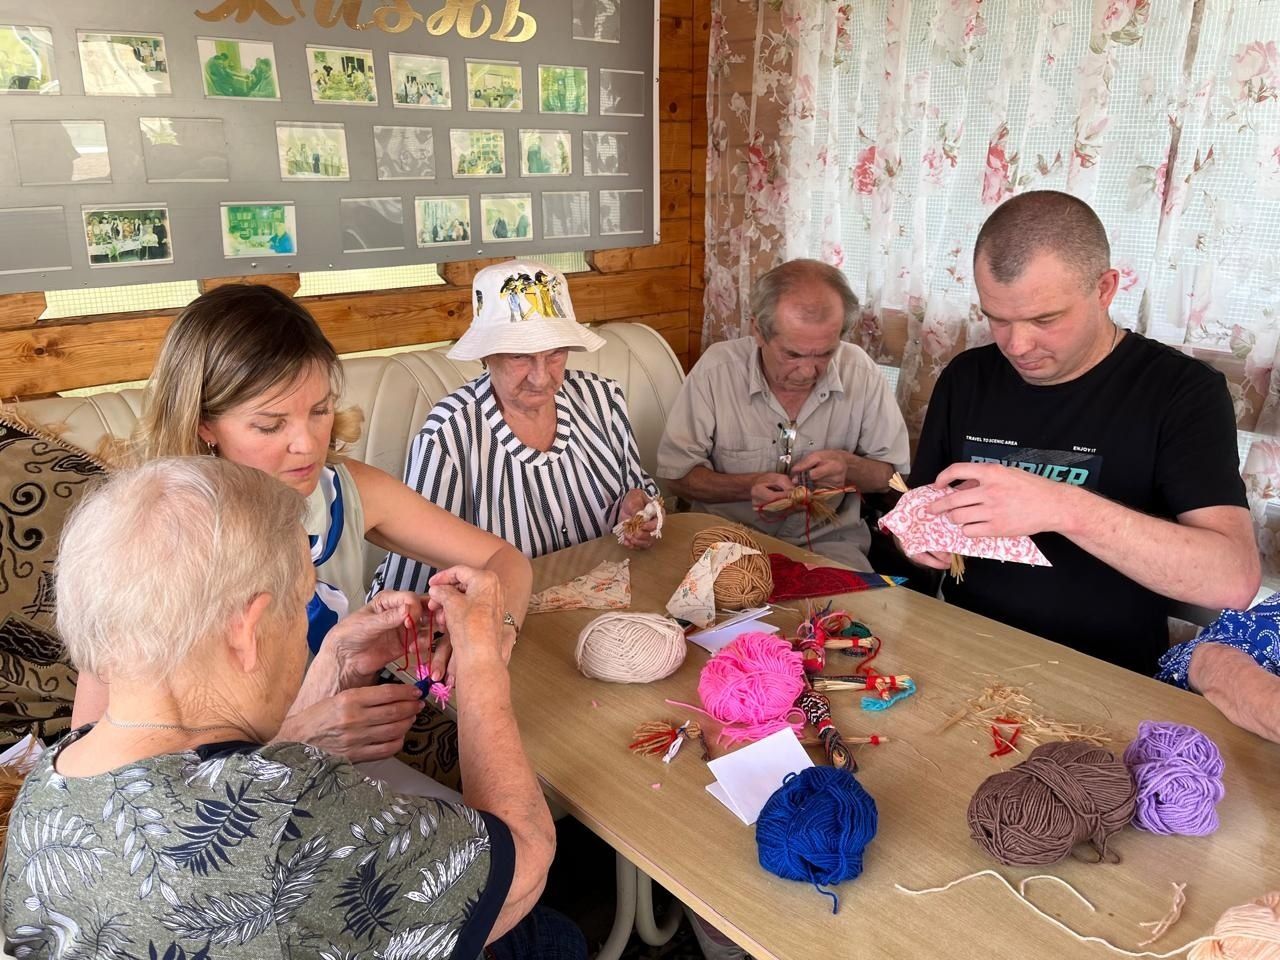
{"x":1148,"y":427}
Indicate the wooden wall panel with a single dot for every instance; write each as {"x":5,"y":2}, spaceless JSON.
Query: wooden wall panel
{"x":660,"y":285}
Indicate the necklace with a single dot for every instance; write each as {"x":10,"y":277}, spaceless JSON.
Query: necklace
{"x":143,"y":725}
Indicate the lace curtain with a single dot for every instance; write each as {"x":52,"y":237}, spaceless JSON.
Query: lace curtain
{"x":878,"y":135}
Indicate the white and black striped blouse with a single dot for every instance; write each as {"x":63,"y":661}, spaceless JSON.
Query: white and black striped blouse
{"x":468,"y":461}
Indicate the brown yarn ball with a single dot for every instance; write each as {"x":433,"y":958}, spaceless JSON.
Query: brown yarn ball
{"x":1061,"y":795}
{"x":748,"y":581}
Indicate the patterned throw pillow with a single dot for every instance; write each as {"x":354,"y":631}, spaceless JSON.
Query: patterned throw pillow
{"x":41,"y":479}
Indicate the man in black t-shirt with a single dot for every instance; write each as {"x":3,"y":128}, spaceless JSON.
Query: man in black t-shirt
{"x":1116,"y":453}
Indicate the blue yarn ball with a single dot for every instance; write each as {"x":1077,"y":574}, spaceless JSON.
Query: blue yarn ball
{"x":815,"y":827}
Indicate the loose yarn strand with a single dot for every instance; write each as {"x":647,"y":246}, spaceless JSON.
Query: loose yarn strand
{"x":1082,"y":938}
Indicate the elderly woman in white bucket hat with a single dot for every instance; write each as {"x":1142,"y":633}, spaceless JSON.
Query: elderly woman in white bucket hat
{"x":542,"y":456}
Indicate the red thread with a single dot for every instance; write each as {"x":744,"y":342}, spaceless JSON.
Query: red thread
{"x":409,"y":632}
{"x":1004,"y":744}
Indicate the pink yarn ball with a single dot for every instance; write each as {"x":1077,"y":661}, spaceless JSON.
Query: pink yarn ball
{"x":751,"y":686}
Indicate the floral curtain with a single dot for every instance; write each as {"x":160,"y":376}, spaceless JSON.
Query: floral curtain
{"x":878,"y":136}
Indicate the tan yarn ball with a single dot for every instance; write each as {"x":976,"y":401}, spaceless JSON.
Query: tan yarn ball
{"x":1247,"y":932}
{"x":748,"y":581}
{"x":630,"y":647}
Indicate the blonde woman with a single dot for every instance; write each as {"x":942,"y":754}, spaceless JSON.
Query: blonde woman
{"x":245,"y":373}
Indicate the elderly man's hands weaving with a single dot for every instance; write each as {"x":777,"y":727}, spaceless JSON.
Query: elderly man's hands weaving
{"x":472,"y":602}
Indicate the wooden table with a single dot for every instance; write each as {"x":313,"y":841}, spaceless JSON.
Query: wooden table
{"x":661,"y":818}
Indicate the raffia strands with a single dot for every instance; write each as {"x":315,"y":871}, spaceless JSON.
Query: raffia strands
{"x":748,"y":581}
{"x":1247,"y":932}
{"x":751,"y":687}
{"x":1178,"y":772}
{"x":630,"y":648}
{"x":1062,"y":795}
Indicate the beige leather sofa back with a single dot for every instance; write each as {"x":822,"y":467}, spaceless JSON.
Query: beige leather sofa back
{"x":396,"y":393}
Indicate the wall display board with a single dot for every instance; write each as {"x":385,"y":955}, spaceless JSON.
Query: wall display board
{"x":144,"y":141}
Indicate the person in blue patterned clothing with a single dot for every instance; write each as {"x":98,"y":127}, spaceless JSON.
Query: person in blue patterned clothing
{"x":1235,"y":663}
{"x":177,"y":827}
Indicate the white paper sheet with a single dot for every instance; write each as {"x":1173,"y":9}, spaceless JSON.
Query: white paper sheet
{"x":28,"y":747}
{"x":747,"y":778}
{"x":717,"y":638}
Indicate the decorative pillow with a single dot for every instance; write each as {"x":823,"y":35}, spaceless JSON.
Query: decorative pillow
{"x":41,"y":479}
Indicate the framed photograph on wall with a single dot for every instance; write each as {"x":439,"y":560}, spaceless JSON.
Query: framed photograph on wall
{"x":420,"y":82}
{"x":563,"y":90}
{"x":342,"y":75}
{"x":604,"y":153}
{"x":312,"y":151}
{"x":506,"y":217}
{"x":371,"y":224}
{"x":478,"y":153}
{"x":124,"y":65}
{"x":53,"y":152}
{"x":621,"y":211}
{"x":495,"y":85}
{"x":184,"y":150}
{"x":238,"y":69}
{"x":259,"y":230}
{"x":546,"y":153}
{"x":26,"y":61}
{"x":128,"y":235}
{"x":442,"y":221}
{"x":598,"y":20}
{"x":622,"y":92}
{"x":566,"y":213}
{"x":404,"y":153}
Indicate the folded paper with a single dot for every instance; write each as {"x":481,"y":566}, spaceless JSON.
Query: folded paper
{"x":919,"y":531}
{"x":607,"y":586}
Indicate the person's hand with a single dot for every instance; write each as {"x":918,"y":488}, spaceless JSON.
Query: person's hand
{"x":998,"y":501}
{"x":473,"y":602}
{"x":827,"y":468}
{"x":770,"y":487}
{"x":363,"y":723}
{"x":366,"y":640}
{"x":633,"y":503}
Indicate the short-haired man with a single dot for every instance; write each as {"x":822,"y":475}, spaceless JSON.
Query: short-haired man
{"x":1118,"y":454}
{"x":758,"y":412}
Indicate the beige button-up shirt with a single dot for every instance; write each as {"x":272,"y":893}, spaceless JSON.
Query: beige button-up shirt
{"x":727,"y":419}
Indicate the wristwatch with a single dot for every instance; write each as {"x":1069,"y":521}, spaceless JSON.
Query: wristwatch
{"x":510,"y":621}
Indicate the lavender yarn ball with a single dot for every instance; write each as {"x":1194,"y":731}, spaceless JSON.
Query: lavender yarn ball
{"x":1178,"y":772}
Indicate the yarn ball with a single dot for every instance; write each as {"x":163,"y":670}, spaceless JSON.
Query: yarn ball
{"x":1061,"y":795}
{"x":751,"y":685}
{"x":815,"y":828}
{"x":630,"y":647}
{"x":1247,"y":932}
{"x":748,"y":581}
{"x":1178,"y":773}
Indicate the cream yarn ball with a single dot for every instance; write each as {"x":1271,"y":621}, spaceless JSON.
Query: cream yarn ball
{"x":630,"y":647}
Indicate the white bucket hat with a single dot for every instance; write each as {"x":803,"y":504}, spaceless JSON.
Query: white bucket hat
{"x":521,"y":306}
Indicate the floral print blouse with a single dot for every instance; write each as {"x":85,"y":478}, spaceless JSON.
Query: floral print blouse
{"x":239,"y":850}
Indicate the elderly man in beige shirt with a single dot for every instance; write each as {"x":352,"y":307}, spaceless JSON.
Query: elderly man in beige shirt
{"x":757,"y":412}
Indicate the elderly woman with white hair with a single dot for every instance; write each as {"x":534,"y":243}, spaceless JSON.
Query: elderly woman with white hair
{"x":541,"y":456}
{"x":175,"y":827}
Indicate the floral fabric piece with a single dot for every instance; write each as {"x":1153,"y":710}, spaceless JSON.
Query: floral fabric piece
{"x":606,"y":586}
{"x":921,"y":532}
{"x":695,"y":599}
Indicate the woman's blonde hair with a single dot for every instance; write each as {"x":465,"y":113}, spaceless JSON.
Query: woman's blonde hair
{"x":227,"y":347}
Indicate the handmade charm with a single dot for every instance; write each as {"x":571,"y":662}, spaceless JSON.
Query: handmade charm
{"x":817,"y":505}
{"x":817,"y":710}
{"x":419,"y":671}
{"x":921,"y":532}
{"x":826,"y":630}
{"x":655,"y":737}
{"x":653,"y":510}
{"x":607,"y":586}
